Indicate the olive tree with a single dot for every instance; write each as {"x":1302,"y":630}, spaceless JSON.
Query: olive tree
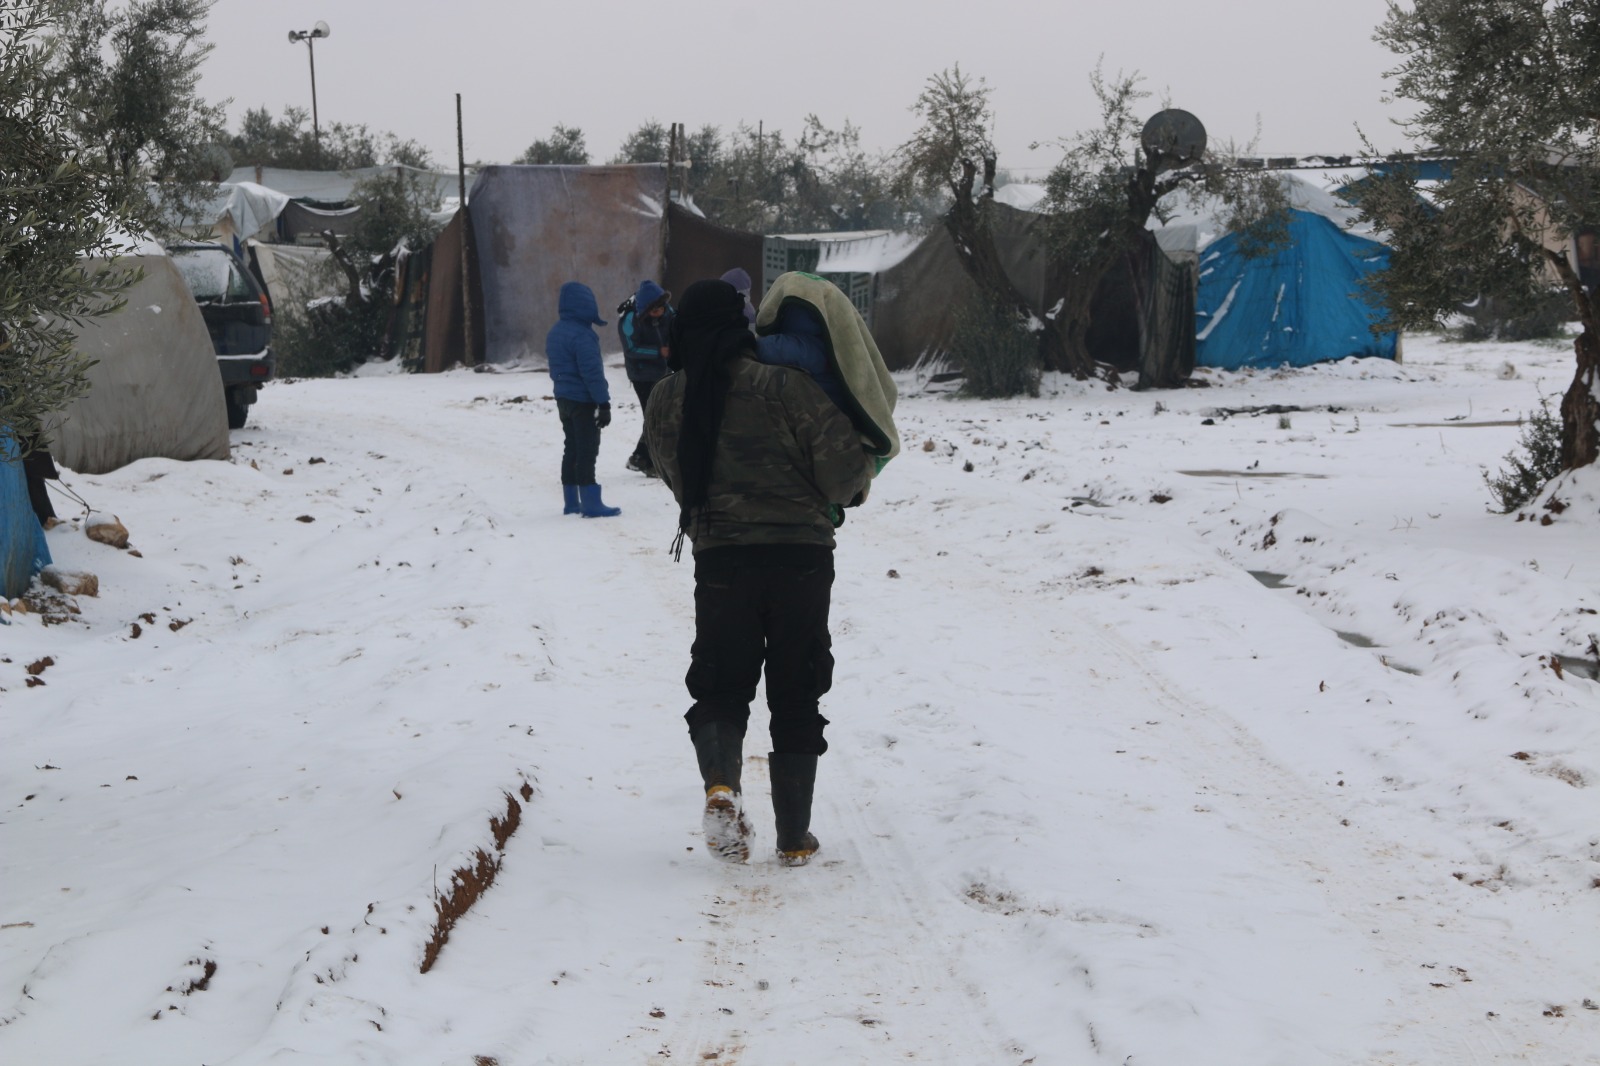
{"x":943,"y":161}
{"x":1508,"y":91}
{"x":128,"y":75}
{"x":57,"y":214}
{"x":1109,"y":183}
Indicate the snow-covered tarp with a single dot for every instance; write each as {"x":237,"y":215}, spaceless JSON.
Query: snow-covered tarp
{"x":235,"y":211}
{"x":337,"y":186}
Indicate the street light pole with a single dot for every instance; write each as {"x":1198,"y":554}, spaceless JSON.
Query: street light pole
{"x":310,"y":36}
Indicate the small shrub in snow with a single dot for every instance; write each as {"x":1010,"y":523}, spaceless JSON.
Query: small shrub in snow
{"x":999,"y":356}
{"x":1533,"y":466}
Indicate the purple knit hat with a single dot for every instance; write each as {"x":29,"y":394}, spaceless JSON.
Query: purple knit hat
{"x":741,"y":281}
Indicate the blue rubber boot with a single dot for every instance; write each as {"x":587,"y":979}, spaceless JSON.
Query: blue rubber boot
{"x":571,"y":493}
{"x":592,"y":506}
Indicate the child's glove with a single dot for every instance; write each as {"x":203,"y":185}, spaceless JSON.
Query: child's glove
{"x":602,"y":416}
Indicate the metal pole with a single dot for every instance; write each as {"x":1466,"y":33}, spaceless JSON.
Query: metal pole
{"x":468,"y":357}
{"x":316,"y":133}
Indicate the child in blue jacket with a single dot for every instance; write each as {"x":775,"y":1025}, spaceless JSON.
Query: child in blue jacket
{"x":578,"y":379}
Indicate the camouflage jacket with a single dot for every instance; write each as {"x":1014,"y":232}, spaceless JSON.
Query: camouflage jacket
{"x":785,"y":455}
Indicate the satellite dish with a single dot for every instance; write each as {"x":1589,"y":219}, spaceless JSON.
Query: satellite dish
{"x":321,"y":30}
{"x":1173,"y":138}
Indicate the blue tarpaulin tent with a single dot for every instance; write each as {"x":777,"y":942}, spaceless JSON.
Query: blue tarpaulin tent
{"x":23,"y":551}
{"x":1302,"y":304}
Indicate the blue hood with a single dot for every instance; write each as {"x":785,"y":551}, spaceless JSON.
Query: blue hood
{"x":578,"y":304}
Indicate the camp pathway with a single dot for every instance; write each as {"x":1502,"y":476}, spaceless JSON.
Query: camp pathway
{"x":977,"y":898}
{"x":1086,"y":797}
{"x":957,"y":908}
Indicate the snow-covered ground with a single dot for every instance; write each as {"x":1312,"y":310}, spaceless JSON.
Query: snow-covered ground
{"x":1098,"y":793}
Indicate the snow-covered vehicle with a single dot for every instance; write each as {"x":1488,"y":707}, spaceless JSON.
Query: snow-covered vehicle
{"x":238,"y":316}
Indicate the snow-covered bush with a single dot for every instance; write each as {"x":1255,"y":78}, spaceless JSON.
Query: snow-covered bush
{"x":996,"y":352}
{"x":1530,"y":468}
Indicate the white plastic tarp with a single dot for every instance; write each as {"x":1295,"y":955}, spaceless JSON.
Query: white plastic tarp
{"x":336,"y":186}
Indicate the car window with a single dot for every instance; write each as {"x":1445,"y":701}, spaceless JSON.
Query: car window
{"x":239,"y":287}
{"x":213,"y":275}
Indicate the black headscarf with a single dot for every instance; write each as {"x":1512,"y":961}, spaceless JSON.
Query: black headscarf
{"x":709,"y":332}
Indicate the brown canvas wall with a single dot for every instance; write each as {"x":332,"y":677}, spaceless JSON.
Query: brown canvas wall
{"x":698,"y":249}
{"x":443,"y":339}
{"x":537,"y":227}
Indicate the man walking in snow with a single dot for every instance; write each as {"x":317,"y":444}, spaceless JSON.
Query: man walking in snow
{"x":760,"y":461}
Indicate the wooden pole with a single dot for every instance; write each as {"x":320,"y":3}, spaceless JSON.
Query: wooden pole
{"x":666,"y":208}
{"x":672,"y":158}
{"x":468,"y":357}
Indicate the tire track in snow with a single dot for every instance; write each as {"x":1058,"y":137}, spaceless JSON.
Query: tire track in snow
{"x":839,"y":961}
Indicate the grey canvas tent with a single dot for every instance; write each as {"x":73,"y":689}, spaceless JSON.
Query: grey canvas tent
{"x":154,"y":390}
{"x":537,"y":227}
{"x":1143,"y":307}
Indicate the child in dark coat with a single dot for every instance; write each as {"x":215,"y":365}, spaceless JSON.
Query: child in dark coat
{"x":801,"y":341}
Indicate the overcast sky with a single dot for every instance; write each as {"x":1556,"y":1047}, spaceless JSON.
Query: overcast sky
{"x":1308,"y":72}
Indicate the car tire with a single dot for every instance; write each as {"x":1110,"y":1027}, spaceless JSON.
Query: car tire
{"x":237,"y":412}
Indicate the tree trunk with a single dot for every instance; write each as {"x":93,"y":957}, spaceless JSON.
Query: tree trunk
{"x":1580,"y":405}
{"x":968,"y":224}
{"x":1074,"y":322}
{"x":353,"y":296}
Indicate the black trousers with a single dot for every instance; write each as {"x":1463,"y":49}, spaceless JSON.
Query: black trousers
{"x":641,"y":450}
{"x":582,"y":445}
{"x":38,"y":468}
{"x":763,"y":606}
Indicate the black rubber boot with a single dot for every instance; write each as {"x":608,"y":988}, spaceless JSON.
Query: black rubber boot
{"x":794,"y":778}
{"x":720,"y":753}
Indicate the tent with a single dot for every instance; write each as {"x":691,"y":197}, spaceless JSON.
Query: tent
{"x":154,"y":390}
{"x":1303,"y":304}
{"x":23,"y":551}
{"x":427,"y":329}
{"x":1141,"y":308}
{"x":537,"y":227}
{"x":293,"y":275}
{"x":698,"y":248}
{"x":333,"y":188}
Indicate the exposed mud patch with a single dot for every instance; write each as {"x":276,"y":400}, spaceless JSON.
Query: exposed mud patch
{"x":469,"y":883}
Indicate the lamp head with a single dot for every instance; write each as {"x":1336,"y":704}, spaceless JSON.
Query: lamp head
{"x":320,"y":30}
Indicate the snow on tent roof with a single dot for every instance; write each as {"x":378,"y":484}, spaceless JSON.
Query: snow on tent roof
{"x":1020,"y":195}
{"x":335,"y":186}
{"x":1314,"y":191}
{"x":866,"y":254}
